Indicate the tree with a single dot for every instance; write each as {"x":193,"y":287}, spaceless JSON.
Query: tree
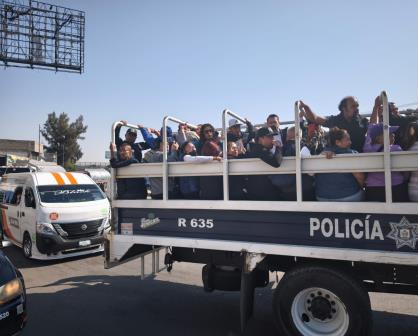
{"x":62,"y":137}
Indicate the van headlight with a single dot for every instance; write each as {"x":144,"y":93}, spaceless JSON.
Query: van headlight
{"x":10,"y":291}
{"x":45,"y":228}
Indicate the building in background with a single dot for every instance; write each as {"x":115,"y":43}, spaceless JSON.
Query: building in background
{"x":19,"y":151}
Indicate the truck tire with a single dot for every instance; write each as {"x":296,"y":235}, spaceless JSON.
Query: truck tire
{"x":319,"y":300}
{"x":27,"y":246}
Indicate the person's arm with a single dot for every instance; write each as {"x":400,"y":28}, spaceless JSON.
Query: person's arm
{"x":115,"y":163}
{"x":118,"y":139}
{"x":374,"y":118}
{"x":149,"y":139}
{"x":250,"y":132}
{"x":311,"y":116}
{"x":360,"y":178}
{"x":181,"y":136}
{"x":368,"y":146}
{"x":113,"y":151}
{"x":201,"y":159}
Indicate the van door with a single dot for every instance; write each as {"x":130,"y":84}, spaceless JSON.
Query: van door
{"x":28,"y":213}
{"x":12,"y":222}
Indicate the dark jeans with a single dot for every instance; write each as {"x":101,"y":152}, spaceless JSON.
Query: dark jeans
{"x":377,"y":194}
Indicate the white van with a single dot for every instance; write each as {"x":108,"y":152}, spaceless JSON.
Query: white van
{"x":53,"y":215}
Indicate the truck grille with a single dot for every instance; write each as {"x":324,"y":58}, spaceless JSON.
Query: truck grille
{"x":78,"y":230}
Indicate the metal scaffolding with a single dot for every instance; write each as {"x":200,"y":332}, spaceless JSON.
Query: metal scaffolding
{"x":38,"y":35}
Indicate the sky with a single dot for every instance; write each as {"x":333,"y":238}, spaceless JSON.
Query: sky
{"x":191,"y":59}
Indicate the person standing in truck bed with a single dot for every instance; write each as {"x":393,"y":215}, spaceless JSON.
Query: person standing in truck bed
{"x":128,"y":188}
{"x":348,"y":119}
{"x":130,"y":138}
{"x":259,"y":187}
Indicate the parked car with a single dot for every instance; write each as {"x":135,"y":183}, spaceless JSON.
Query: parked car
{"x":12,"y":298}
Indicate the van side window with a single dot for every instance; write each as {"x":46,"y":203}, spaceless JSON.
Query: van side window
{"x":8,"y":195}
{"x":29,"y":198}
{"x":17,"y":195}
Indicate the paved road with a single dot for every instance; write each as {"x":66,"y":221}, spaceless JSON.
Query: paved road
{"x":79,"y":297}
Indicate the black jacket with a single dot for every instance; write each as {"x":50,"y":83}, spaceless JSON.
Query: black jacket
{"x":265,"y":154}
{"x":259,"y":187}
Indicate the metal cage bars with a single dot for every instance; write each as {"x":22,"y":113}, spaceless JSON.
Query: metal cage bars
{"x":298,"y":159}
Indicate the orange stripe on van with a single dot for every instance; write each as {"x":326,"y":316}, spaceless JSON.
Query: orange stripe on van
{"x":58,"y":178}
{"x":71,"y":178}
{"x":6,"y":228}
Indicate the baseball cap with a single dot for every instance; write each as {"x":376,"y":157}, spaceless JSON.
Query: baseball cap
{"x":377,"y":129}
{"x":132,"y":131}
{"x":234,"y":122}
{"x":265,"y":131}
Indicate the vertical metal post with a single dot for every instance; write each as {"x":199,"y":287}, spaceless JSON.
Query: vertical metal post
{"x":31,"y":47}
{"x":298,"y":158}
{"x":153,"y":262}
{"x":142,"y":268}
{"x":63,"y":152}
{"x":386,"y":146}
{"x":39,"y":142}
{"x":113,"y":170}
{"x":225,"y":170}
{"x":165,"y":156}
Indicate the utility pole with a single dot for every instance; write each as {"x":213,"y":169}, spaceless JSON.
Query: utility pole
{"x":39,"y":142}
{"x":63,"y":150}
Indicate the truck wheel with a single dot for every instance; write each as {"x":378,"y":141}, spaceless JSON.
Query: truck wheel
{"x":318,"y":301}
{"x":27,"y":245}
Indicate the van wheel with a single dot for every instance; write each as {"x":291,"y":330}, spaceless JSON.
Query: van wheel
{"x":318,"y":301}
{"x":27,"y":245}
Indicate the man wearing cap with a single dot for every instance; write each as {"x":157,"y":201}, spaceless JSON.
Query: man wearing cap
{"x":130,"y":138}
{"x":241,"y":139}
{"x":259,"y":187}
{"x":375,"y":182}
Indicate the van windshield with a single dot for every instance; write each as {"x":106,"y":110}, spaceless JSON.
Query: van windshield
{"x":70,"y":193}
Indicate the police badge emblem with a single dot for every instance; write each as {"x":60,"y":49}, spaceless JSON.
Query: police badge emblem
{"x":404,"y":233}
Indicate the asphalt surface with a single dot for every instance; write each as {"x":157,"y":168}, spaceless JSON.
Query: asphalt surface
{"x":79,"y":297}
